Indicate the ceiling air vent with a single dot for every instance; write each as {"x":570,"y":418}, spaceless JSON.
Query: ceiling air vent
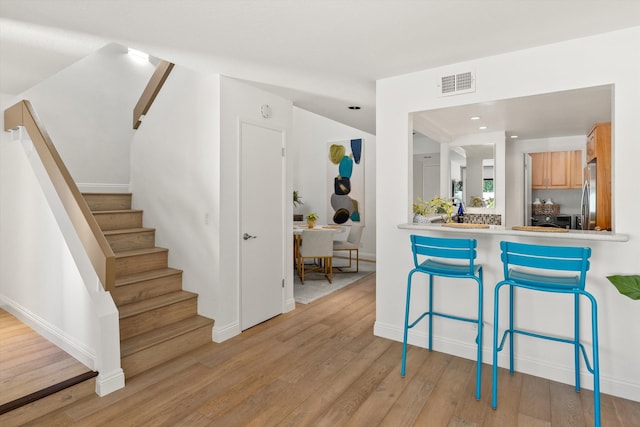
{"x":457,"y":83}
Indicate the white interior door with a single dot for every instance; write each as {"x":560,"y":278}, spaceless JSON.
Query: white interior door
{"x":261,"y":224}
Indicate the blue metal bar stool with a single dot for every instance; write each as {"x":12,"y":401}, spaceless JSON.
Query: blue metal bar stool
{"x":544,"y":272}
{"x":446,"y":258}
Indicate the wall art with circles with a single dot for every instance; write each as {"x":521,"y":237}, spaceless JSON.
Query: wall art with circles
{"x":345,"y":181}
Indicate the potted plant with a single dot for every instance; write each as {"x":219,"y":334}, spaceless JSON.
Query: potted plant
{"x":438,"y":205}
{"x":627,"y":285}
{"x":477,"y":202}
{"x":297,"y":202}
{"x":311,"y":219}
{"x":420,"y":211}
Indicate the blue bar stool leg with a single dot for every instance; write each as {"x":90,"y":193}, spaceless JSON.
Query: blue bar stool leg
{"x":494,"y":377}
{"x":430,"y":312}
{"x":511,"y":344}
{"x":479,"y":339}
{"x":576,"y":335}
{"x":596,"y":361}
{"x":406,"y":325}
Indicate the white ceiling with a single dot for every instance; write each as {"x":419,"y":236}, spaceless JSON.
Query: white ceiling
{"x":325,"y":55}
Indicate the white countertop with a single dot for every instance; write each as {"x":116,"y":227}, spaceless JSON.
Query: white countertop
{"x":501,"y":230}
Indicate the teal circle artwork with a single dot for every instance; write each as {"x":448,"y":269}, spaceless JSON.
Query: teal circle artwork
{"x":345,"y":169}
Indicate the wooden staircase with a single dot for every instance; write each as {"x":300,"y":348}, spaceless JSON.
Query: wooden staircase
{"x":158,"y":320}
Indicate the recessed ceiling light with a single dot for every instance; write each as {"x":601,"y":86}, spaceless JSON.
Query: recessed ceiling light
{"x":475,"y":118}
{"x":483,"y":127}
{"x":514,"y":136}
{"x":138,"y":54}
{"x":354,"y":107}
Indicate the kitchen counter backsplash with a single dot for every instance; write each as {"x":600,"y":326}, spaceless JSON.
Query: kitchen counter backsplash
{"x":492,"y":219}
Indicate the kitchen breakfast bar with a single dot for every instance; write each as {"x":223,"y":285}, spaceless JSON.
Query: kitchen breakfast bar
{"x":549,"y":234}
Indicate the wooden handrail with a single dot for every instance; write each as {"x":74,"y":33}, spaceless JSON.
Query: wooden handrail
{"x":149,"y":94}
{"x":92,"y":238}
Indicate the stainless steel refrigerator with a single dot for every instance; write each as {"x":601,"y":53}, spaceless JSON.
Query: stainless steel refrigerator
{"x":588,"y":210}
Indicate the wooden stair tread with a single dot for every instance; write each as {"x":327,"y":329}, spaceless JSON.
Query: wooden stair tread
{"x":146,"y":275}
{"x":105,"y":193}
{"x":116,"y":211}
{"x":134,"y":252}
{"x":108,"y":201}
{"x":143,"y":306}
{"x":165,"y":333}
{"x":126,"y":231}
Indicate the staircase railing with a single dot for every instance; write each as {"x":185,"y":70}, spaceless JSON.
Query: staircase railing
{"x":89,"y":232}
{"x":149,"y":94}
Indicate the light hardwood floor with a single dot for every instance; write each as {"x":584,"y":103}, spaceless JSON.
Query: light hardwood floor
{"x":31,"y":366}
{"x":320,"y":365}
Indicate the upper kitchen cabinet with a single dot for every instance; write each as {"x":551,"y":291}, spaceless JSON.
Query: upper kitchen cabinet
{"x":599,"y":158}
{"x":556,"y":170}
{"x":599,"y":142}
{"x":577,"y":169}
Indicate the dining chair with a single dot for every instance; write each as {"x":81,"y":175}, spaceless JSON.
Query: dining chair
{"x":555,"y":269}
{"x":445,"y":257}
{"x":316,"y":245}
{"x":352,"y":244}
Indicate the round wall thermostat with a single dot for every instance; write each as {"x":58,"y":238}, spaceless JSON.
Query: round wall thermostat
{"x":266,"y":111}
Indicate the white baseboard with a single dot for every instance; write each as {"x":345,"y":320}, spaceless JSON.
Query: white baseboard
{"x":220,"y":334}
{"x":540,"y":368}
{"x":109,"y":382}
{"x":85,"y":187}
{"x":289,"y":305}
{"x":367,"y":256}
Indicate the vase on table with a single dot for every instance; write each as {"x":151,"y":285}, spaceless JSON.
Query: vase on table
{"x":420,"y":219}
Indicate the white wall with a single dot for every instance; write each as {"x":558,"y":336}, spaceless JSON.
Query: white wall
{"x":311,"y":133}
{"x":87,"y":109}
{"x":604,"y":59}
{"x":175,"y":178}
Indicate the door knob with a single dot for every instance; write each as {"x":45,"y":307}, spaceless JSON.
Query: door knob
{"x":247,"y":236}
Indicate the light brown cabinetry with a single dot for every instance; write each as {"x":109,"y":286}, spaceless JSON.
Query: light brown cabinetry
{"x":577,"y":170}
{"x":599,"y":150}
{"x":556,"y":170}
